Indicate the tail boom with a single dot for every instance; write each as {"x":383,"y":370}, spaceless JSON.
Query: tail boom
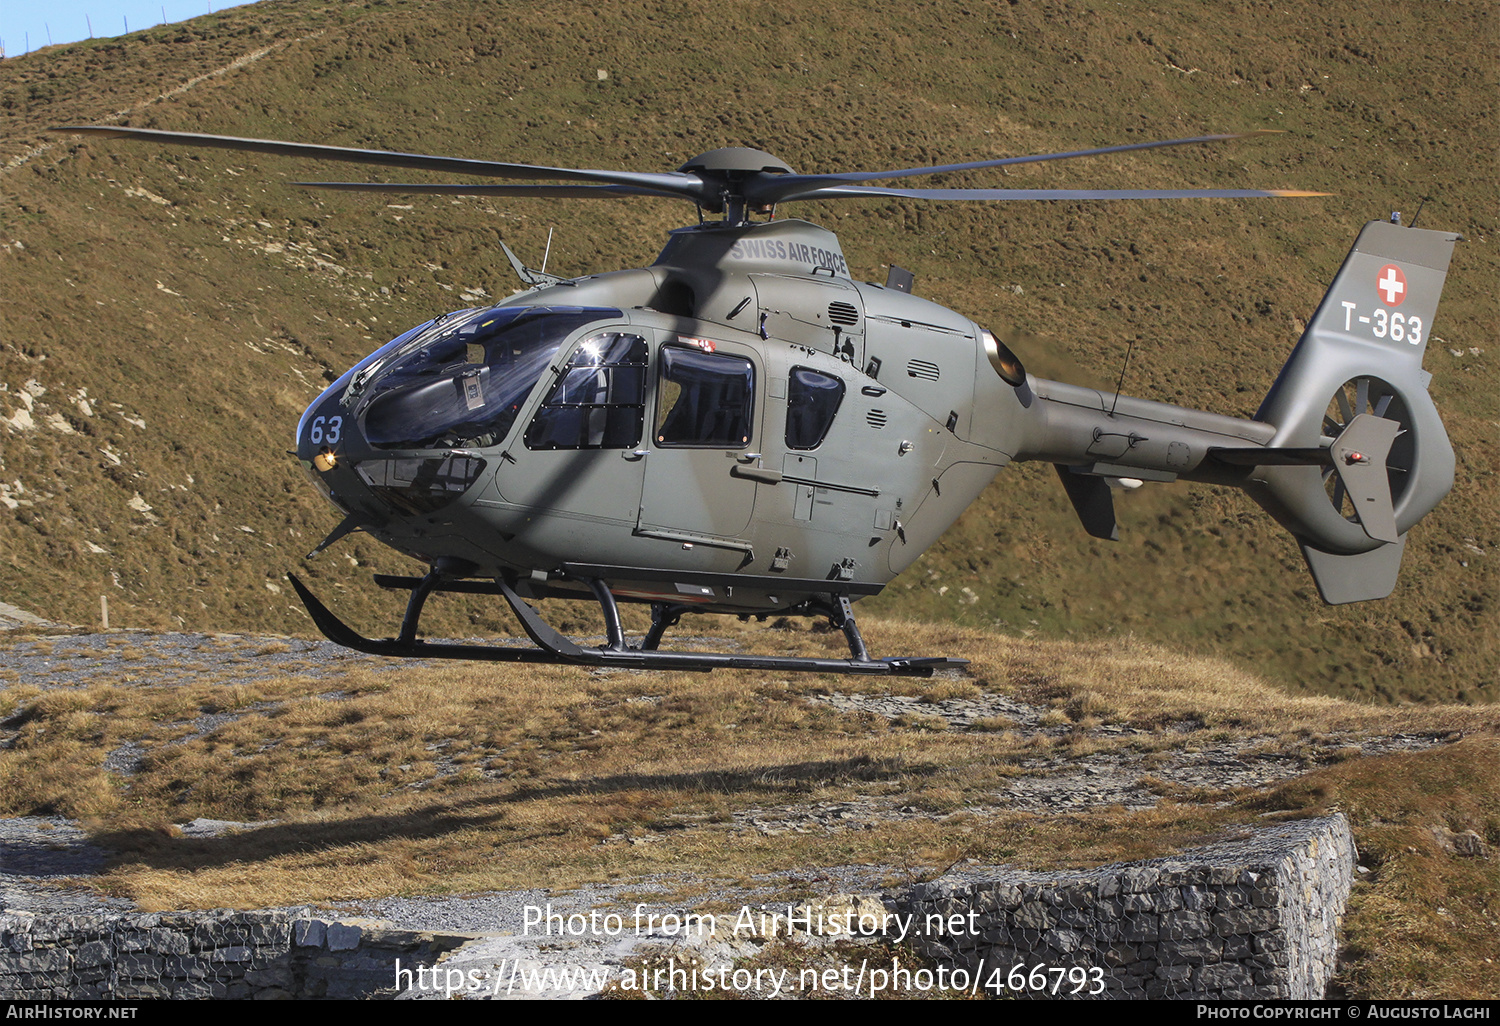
{"x":1347,"y":451}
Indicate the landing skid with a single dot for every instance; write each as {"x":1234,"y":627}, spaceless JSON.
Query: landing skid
{"x":618,"y":652}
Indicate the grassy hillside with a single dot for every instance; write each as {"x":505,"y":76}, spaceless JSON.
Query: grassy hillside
{"x":167,"y":314}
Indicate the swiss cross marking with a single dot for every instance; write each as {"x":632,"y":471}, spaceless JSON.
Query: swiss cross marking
{"x":1392,"y":285}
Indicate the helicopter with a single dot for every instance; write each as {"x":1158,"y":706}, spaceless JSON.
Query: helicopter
{"x":743,"y":428}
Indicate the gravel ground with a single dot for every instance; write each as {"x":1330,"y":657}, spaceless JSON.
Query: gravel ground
{"x":79,"y":660}
{"x":40,"y":855}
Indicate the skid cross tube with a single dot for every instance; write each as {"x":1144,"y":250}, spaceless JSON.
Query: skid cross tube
{"x":612,"y":627}
{"x":553,"y":647}
{"x":414,"y":606}
{"x":845,"y":620}
{"x":663,"y":616}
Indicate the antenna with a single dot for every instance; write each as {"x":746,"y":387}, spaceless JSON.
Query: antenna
{"x":1419,"y":211}
{"x":1130,"y":349}
{"x":548,"y":251}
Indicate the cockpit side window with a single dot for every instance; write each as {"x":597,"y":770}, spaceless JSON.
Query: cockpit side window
{"x":600,"y":400}
{"x":812,"y":401}
{"x":704,"y":400}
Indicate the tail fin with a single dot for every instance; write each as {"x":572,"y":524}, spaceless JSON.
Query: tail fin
{"x":1361,"y":359}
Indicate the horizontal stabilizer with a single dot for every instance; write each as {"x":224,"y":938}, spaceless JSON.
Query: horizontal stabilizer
{"x":1358,"y":456}
{"x":1264,"y":456}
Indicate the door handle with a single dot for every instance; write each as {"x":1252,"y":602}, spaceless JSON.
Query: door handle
{"x":756,"y":474}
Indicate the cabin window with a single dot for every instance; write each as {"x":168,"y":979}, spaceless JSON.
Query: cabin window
{"x":812,"y":400}
{"x":704,"y":399}
{"x":600,"y":400}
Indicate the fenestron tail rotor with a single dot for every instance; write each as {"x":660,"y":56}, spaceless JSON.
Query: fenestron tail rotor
{"x":733,"y":181}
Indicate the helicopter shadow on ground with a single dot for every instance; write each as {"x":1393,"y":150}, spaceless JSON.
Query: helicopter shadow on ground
{"x":156,"y":849}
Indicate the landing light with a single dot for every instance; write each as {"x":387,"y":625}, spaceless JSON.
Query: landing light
{"x":325,"y":461}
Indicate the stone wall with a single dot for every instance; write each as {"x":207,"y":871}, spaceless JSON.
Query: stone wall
{"x":204,"y":955}
{"x":1251,"y":918}
{"x":1256,"y":918}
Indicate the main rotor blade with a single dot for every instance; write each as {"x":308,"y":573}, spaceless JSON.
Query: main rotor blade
{"x":479,"y":189}
{"x":790,"y":187}
{"x":672,"y":182}
{"x":941,"y":169}
{"x":839,"y":191}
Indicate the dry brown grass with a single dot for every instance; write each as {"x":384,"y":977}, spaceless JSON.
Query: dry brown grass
{"x":464,"y":777}
{"x":1425,"y":921}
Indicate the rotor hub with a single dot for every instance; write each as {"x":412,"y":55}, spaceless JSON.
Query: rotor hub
{"x":728,"y":160}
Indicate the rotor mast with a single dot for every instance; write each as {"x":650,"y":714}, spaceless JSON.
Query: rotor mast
{"x":725,"y":172}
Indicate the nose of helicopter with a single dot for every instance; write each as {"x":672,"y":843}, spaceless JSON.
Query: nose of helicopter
{"x":399,"y":434}
{"x":379,"y":484}
{"x":329,"y":444}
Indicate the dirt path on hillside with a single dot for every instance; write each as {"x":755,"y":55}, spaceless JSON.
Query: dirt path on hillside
{"x":21,"y":159}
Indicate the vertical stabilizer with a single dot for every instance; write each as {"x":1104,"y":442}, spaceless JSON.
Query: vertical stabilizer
{"x":1361,"y":357}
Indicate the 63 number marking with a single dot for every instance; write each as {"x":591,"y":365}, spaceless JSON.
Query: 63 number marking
{"x":325,"y":430}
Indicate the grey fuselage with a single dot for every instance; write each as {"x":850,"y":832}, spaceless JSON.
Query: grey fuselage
{"x":844,"y":426}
